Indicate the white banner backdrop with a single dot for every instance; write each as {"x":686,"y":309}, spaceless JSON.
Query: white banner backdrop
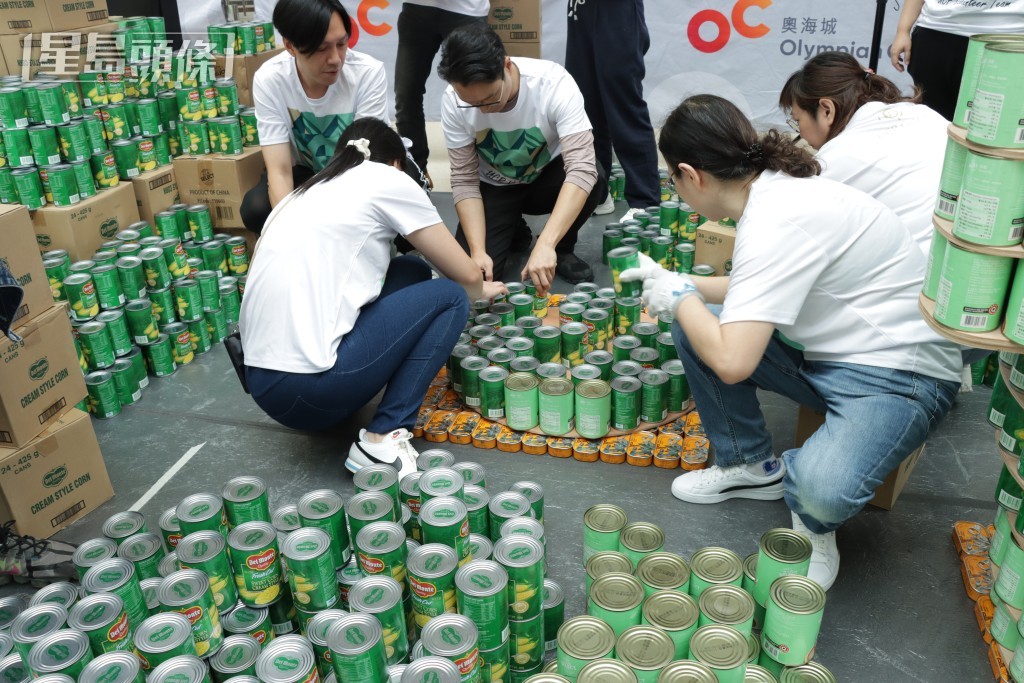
{"x":743,"y":50}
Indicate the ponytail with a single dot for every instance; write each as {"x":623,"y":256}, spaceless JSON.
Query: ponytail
{"x":384,"y":145}
{"x":712,"y":134}
{"x":839,"y":77}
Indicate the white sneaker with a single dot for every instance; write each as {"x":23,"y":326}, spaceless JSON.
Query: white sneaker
{"x":605,"y":207}
{"x":394,"y":450}
{"x":629,"y":214}
{"x":824,"y":555}
{"x":715,"y":484}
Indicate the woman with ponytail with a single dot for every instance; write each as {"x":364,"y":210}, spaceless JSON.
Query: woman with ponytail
{"x":329,"y":319}
{"x":870,"y":136}
{"x":821,"y":307}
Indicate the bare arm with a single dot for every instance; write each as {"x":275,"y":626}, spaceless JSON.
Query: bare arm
{"x":733,"y":350}
{"x":713,"y":289}
{"x":469,"y":204}
{"x":901,"y":42}
{"x":278,"y":159}
{"x":441,"y":249}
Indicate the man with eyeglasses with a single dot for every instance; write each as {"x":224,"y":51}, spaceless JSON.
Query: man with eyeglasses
{"x":519,"y":142}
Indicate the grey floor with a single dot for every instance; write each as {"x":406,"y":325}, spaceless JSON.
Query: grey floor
{"x":897,"y":613}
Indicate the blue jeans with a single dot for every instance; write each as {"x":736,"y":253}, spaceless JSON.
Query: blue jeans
{"x":399,"y":341}
{"x":874,"y":418}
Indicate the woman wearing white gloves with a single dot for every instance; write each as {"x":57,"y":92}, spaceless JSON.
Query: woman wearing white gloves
{"x":821,"y":307}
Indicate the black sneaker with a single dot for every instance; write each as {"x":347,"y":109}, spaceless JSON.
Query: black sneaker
{"x":27,"y":559}
{"x":573,"y":269}
{"x":523,"y":238}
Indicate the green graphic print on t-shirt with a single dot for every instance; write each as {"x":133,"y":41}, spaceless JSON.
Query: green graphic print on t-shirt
{"x":517,"y":154}
{"x":316,"y":136}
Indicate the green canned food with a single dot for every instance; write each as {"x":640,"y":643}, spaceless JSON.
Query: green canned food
{"x":972,"y":290}
{"x":199,"y":223}
{"x":144,"y":551}
{"x":188,"y":593}
{"x":582,"y":640}
{"x":118,"y":576}
{"x":548,"y":344}
{"x":311,"y":569}
{"x":103,"y":619}
{"x":675,"y":613}
{"x":141,"y":321}
{"x":159,"y":357}
{"x":781,"y":552}
{"x":51,"y":101}
{"x":792,"y":619}
{"x":288,"y":659}
{"x":639,"y":539}
{"x":521,"y":401}
{"x":236,"y":657}
{"x":201,"y":512}
{"x":324,"y":509}
{"x":556,"y":406}
{"x":29,"y":186}
{"x":995,"y":113}
{"x":382,"y":551}
{"x":97,"y":346}
{"x":133,"y":279}
{"x":91,"y":553}
{"x":43,"y":141}
{"x":727,"y":606}
{"x":357,"y":648}
{"x":64,"y":652}
{"x":207,"y":552}
{"x":381,"y":596}
{"x":432,"y":570}
{"x":445,"y":520}
{"x":714,"y":567}
{"x":126,"y":156}
{"x":102,"y":399}
{"x":593,"y":409}
{"x":523,"y":558}
{"x":990,"y":210}
{"x":723,"y":650}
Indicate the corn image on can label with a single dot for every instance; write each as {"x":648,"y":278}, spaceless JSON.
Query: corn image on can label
{"x":381,"y":596}
{"x":311,"y":571}
{"x":432,"y":569}
{"x":526,"y":645}
{"x":81,"y":293}
{"x":188,"y":593}
{"x":141,"y":321}
{"x":207,"y":552}
{"x":523,"y":559}
{"x":356,"y":642}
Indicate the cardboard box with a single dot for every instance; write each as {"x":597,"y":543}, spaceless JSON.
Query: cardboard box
{"x":808,"y":421}
{"x":23,"y":16}
{"x":531,"y":50}
{"x":54,"y":480}
{"x":243,"y":69}
{"x":82,"y":228}
{"x":154,"y":191}
{"x":66,"y":52}
{"x":18,"y":251}
{"x":715,"y":245}
{"x":516,"y":21}
{"x":220,"y":182}
{"x":77,"y":14}
{"x":40,"y":378}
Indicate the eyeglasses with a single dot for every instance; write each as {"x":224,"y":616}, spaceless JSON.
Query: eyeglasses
{"x":501,"y":95}
{"x":793,"y":123}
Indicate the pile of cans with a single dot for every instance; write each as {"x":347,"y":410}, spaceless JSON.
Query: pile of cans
{"x":225,"y":588}
{"x":151,"y":298}
{"x":63,"y":140}
{"x":242,"y":37}
{"x":653,"y":616}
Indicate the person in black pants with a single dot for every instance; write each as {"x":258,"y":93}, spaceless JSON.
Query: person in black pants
{"x":609,"y":71}
{"x":421,"y":30}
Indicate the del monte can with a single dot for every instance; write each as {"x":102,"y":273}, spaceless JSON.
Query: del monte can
{"x":256,"y":562}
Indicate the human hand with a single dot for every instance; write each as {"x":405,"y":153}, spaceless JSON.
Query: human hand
{"x":484,"y":262}
{"x":492,"y":289}
{"x":541,"y":267}
{"x":900,"y":48}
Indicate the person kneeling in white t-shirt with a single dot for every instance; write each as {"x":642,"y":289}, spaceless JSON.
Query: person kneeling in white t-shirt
{"x":821,"y":306}
{"x":329,"y":318}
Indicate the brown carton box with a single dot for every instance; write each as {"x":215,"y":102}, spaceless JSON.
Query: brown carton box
{"x":220,"y":182}
{"x":808,"y":421}
{"x":19,"y":252}
{"x":65,"y":52}
{"x":23,"y":16}
{"x":516,"y":21}
{"x":53,"y":480}
{"x":715,"y":245}
{"x":82,"y":228}
{"x":40,"y":378}
{"x":243,"y":69}
{"x":154,"y":191}
{"x":77,"y":14}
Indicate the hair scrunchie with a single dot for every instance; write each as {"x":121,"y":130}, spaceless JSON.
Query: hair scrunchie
{"x":362,"y":144}
{"x":754,"y":155}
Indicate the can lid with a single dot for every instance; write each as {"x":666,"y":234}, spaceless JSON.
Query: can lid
{"x":687,"y":672}
{"x":642,"y":537}
{"x":180,"y":669}
{"x":550,"y":371}
{"x":716,"y":565}
{"x":162,"y":632}
{"x":595,"y":314}
{"x":410,"y":484}
{"x":480,"y":547}
{"x":350,"y":573}
{"x":353,"y":634}
{"x":370,"y":505}
{"x":812,"y":672}
{"x":670,"y":610}
{"x":435,"y":457}
{"x":472,"y":473}
{"x":474,"y":363}
{"x":463,"y":351}
{"x":244,"y":619}
{"x":237,"y":653}
{"x":320,"y":504}
{"x":496,"y":373}
{"x":142,"y":547}
{"x":673,"y":367}
{"x":598,"y":358}
{"x":431,"y":561}
{"x":449,"y":635}
{"x":375,"y":594}
{"x":481,"y":578}
{"x":719,"y":647}
{"x":663,"y":571}
{"x":57,"y":651}
{"x":377,"y":477}
{"x":605,"y":518}
{"x":647,"y":354}
{"x":317,"y":627}
{"x":508,"y":504}
{"x":286,"y":659}
{"x":441,"y":481}
{"x":108,"y":575}
{"x":757,"y":674}
{"x":150,"y":588}
{"x":617,"y":592}
{"x":519,"y":551}
{"x":111,"y":667}
{"x":286,"y":518}
{"x":785,"y":545}
{"x":797,"y":594}
{"x":586,"y":638}
{"x":553,"y":594}
{"x":430,"y":668}
{"x":554,"y":386}
{"x":645,"y":648}
{"x":606,"y":562}
{"x":727,"y":605}
{"x":242,"y":489}
{"x":183,"y":587}
{"x":592,"y":388}
{"x":606,"y":671}
{"x":306,"y":543}
{"x":199,"y":507}
{"x":250,"y":536}
{"x":443,"y":511}
{"x":527,"y":526}
{"x":380,"y":537}
{"x":62,"y":593}
{"x":199,"y":547}
{"x":168,"y":565}
{"x":626,"y":384}
{"x":14,"y":670}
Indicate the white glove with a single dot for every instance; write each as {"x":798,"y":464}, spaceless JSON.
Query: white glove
{"x":662,"y":289}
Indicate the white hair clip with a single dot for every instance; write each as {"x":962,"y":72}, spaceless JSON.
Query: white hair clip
{"x":362,"y":144}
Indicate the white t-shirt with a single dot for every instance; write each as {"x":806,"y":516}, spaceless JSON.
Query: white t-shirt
{"x":894,"y":153}
{"x":322,"y":257}
{"x":838,"y":276}
{"x":472,"y":8}
{"x":967,"y":17}
{"x":285,"y":113}
{"x":515,"y":146}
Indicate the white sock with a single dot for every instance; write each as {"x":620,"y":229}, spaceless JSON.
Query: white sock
{"x":766,"y":469}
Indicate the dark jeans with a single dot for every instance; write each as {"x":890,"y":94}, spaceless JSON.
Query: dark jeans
{"x":421,"y":30}
{"x":604,"y":52}
{"x":256,"y":203}
{"x":937,"y":65}
{"x":505,"y":206}
{"x":399,"y":341}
